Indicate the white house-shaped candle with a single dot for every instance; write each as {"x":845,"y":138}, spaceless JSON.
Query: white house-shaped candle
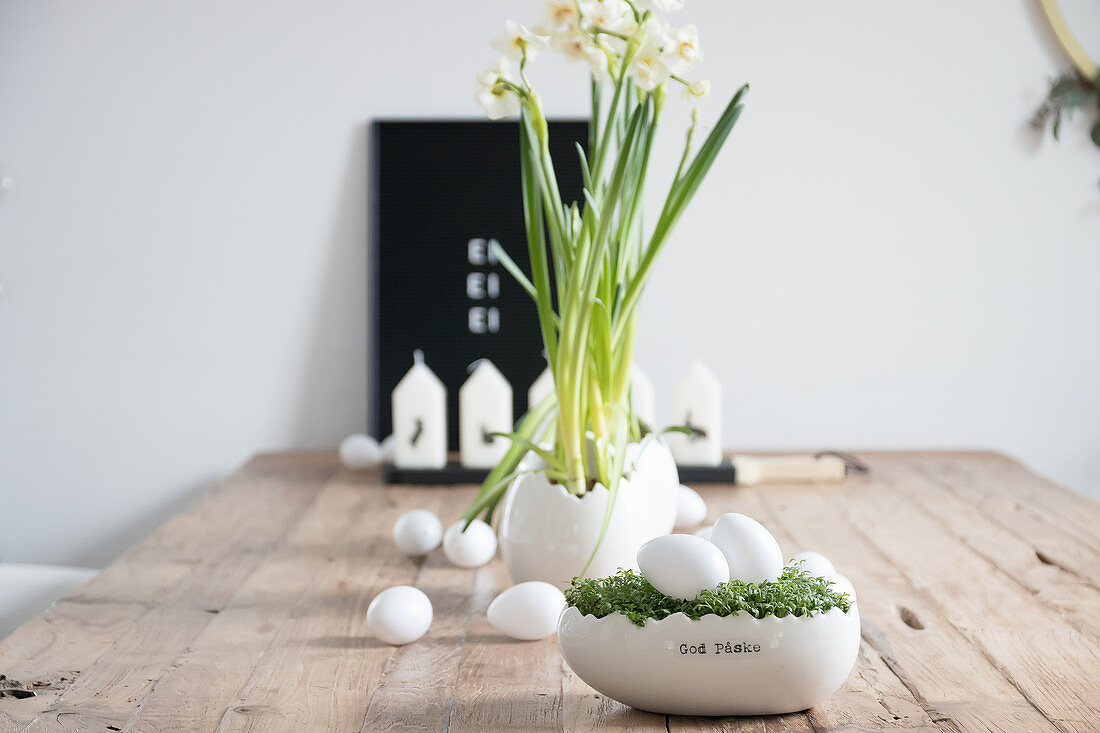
{"x":699,"y":407}
{"x":484,"y":408}
{"x":419,"y":406}
{"x":541,"y":387}
{"x":643,"y":398}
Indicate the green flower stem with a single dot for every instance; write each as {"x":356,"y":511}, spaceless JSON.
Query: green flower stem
{"x":594,"y":121}
{"x":536,"y":244}
{"x":613,"y":112}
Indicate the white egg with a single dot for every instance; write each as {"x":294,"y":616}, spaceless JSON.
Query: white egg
{"x":472,"y":548}
{"x":400,"y":614}
{"x":417,"y":532}
{"x":691,"y":510}
{"x":842,"y":585}
{"x":388,"y":446}
{"x":682,"y":565}
{"x":704,"y":532}
{"x":814,"y":563}
{"x":359,"y":451}
{"x":527,"y":611}
{"x":751,"y":551}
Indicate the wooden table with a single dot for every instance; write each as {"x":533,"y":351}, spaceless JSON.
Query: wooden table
{"x":979,"y":588}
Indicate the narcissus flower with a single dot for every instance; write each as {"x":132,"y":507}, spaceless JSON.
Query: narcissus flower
{"x":649,"y":67}
{"x":665,"y":6}
{"x":561,"y":15}
{"x":598,"y":59}
{"x":697,"y":90}
{"x":610,"y":15}
{"x":518,"y":41}
{"x":572,"y":44}
{"x":496,"y":98}
{"x":683,"y":49}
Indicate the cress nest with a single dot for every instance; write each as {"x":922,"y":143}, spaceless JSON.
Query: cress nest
{"x":794,"y":593}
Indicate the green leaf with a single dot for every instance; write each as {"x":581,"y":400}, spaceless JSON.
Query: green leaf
{"x":497,"y":481}
{"x":530,"y":446}
{"x":679,"y":197}
{"x":513,"y":268}
{"x":622,"y":434}
{"x":586,"y":174}
{"x":613,"y":113}
{"x":1073,"y":91}
{"x":487,"y":499}
{"x":536,"y":241}
{"x":594,"y":124}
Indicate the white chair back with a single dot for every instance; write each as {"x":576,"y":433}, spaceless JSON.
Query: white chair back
{"x":27,"y":590}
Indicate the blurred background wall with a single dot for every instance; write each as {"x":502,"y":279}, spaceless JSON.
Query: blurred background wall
{"x":884,"y":255}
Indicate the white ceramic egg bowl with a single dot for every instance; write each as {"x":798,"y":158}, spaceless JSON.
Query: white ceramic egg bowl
{"x":794,"y":663}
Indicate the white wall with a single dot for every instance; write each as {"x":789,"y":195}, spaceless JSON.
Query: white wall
{"x":884,"y":256}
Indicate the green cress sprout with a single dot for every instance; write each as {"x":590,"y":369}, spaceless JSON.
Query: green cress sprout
{"x":794,"y":593}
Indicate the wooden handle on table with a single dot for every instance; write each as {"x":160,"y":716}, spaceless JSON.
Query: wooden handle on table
{"x":792,"y":469}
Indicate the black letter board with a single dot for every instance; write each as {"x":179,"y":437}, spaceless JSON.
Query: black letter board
{"x":439,"y":192}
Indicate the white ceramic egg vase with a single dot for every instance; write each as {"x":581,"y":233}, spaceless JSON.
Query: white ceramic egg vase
{"x":732,"y":665}
{"x":548,"y":534}
{"x":651,"y":461}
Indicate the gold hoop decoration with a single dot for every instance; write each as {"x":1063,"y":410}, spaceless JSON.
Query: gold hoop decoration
{"x":1069,"y":42}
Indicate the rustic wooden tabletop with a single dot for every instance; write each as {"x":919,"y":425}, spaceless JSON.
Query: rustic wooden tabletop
{"x":978,"y":583}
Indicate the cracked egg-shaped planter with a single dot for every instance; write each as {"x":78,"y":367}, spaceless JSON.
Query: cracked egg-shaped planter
{"x":731,"y":665}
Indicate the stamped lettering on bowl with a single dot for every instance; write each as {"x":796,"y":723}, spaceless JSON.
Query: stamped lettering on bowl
{"x":718,"y":648}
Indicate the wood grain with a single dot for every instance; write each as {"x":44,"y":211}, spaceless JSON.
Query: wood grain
{"x":951,"y":679}
{"x":161,"y":590}
{"x":978,"y":585}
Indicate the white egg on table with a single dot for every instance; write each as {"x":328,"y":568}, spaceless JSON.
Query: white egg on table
{"x":400,"y":614}
{"x":752,"y":553}
{"x":841,"y":584}
{"x":814,"y":563}
{"x":417,"y":532}
{"x":359,"y":452}
{"x":388,"y":446}
{"x":704,"y":532}
{"x":472,"y":548}
{"x":691,"y":510}
{"x":527,"y":611}
{"x":682,"y":565}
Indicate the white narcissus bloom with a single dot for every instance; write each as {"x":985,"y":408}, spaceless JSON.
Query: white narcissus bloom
{"x":649,"y":67}
{"x":517,"y":40}
{"x":573,"y":44}
{"x":664,"y":6}
{"x":561,"y":15}
{"x":576,"y":45}
{"x":696,"y":90}
{"x":598,"y":59}
{"x":658,"y":32}
{"x":683,"y":49}
{"x":497,"y":100}
{"x":612,"y":15}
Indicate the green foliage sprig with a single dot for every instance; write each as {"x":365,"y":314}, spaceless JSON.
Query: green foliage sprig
{"x":794,"y":593}
{"x":1069,"y":92}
